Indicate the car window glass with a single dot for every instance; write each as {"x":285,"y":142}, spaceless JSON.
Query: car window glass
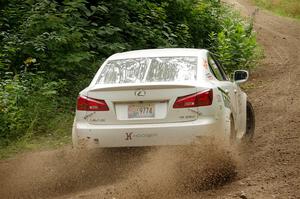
{"x":149,"y":69}
{"x":214,"y":69}
{"x":172,"y":69}
{"x":124,"y":71}
{"x":220,"y":68}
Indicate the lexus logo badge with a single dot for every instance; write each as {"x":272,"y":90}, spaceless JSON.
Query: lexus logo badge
{"x":140,"y":93}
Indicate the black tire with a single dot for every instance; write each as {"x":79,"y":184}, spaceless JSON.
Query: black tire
{"x":250,"y":123}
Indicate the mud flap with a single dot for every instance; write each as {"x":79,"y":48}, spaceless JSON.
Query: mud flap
{"x":74,"y":135}
{"x":250,"y":123}
{"x":227,"y":124}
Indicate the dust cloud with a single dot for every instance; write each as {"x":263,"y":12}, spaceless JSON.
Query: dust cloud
{"x":156,"y":172}
{"x":172,"y":172}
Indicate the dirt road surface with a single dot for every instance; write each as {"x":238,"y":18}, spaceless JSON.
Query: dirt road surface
{"x":268,"y":168}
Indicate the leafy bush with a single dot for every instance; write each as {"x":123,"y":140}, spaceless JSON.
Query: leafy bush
{"x":68,"y":40}
{"x":235,"y":44}
{"x":27,"y":103}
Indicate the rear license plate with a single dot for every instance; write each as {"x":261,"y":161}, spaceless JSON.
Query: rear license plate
{"x":142,"y":110}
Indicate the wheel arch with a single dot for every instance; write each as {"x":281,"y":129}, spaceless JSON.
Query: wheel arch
{"x":242,"y":116}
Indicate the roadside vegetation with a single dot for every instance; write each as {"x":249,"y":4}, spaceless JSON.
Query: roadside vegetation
{"x":51,"y":49}
{"x":290,"y":8}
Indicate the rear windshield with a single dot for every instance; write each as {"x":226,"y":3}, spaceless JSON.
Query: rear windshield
{"x":149,"y":69}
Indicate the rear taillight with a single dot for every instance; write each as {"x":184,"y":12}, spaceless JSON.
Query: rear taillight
{"x":88,"y":104}
{"x":203,"y":98}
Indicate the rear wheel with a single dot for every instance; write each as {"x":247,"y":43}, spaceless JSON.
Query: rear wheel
{"x":250,"y":123}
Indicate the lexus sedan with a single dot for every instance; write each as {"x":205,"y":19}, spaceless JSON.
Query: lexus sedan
{"x":155,"y":97}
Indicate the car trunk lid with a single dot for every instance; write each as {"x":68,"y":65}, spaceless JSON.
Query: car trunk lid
{"x":141,"y":103}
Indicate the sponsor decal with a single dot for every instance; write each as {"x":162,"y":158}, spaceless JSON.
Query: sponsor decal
{"x":189,"y":116}
{"x":87,"y":116}
{"x":128,"y":136}
{"x":205,"y":63}
{"x":209,"y":76}
{"x":226,"y":97}
{"x":131,"y":135}
{"x":97,"y":120}
{"x":219,"y":99}
{"x":195,"y":111}
{"x":226,"y":101}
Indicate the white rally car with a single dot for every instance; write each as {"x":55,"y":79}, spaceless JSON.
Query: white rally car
{"x":162,"y":97}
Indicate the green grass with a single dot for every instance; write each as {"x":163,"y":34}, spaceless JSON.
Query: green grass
{"x":289,"y":8}
{"x":34,"y":144}
{"x":60,"y":135}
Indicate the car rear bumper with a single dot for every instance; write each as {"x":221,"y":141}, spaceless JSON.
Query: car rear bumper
{"x":145,"y":135}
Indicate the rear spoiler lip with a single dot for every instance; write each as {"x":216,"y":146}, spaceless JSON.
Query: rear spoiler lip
{"x":146,"y":86}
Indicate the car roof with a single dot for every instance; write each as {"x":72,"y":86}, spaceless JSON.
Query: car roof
{"x":164,"y":52}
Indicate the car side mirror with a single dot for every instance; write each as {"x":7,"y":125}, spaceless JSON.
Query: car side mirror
{"x":240,"y":76}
